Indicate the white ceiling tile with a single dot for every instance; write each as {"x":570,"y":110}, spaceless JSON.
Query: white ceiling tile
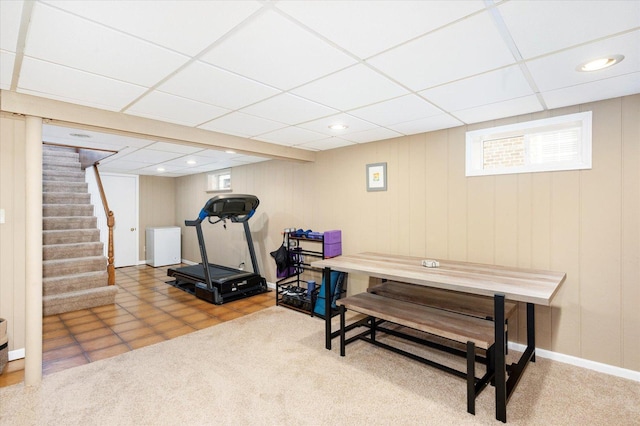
{"x":79,"y":87}
{"x":174,"y":109}
{"x":240,"y":124}
{"x":429,"y":124}
{"x":7,"y":60}
{"x":398,"y":110}
{"x":96,"y":49}
{"x":290,"y":136}
{"x":540,"y":27}
{"x":495,"y":86}
{"x":356,"y":25}
{"x":183,"y":162}
{"x":466,"y":48}
{"x":172,"y":147}
{"x":277,"y":52}
{"x":150,"y":156}
{"x":354,"y":125}
{"x":351,"y":88}
{"x":153,"y":170}
{"x":559,"y":70}
{"x":100,"y":140}
{"x":324,"y":144}
{"x":508,"y":108}
{"x":289,"y":109}
{"x":184,"y":26}
{"x":122,"y":152}
{"x":121,"y":166}
{"x":10,"y":18}
{"x":379,"y":133}
{"x":206,"y":83}
{"x":613,"y":87}
{"x":218,"y":155}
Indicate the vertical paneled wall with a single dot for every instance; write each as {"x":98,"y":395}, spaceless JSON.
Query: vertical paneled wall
{"x":12,"y":232}
{"x":585,"y":223}
{"x":157,"y":206}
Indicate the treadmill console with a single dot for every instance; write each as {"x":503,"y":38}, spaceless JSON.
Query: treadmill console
{"x":236,"y":207}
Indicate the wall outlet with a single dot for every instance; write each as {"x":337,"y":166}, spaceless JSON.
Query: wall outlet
{"x":1,"y":215}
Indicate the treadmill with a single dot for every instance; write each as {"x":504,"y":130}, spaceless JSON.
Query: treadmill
{"x":214,"y":283}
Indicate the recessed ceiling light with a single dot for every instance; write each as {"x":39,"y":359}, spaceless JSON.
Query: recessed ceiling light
{"x":160,"y":169}
{"x":338,"y":126}
{"x":191,"y":162}
{"x":79,"y":135}
{"x":600,"y":63}
{"x":230,"y":151}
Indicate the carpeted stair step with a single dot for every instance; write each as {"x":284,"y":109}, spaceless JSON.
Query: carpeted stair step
{"x":72,"y":251}
{"x":61,"y":166}
{"x":82,"y":299}
{"x":60,"y":267}
{"x":69,"y":222}
{"x":58,"y":148}
{"x":71,"y":283}
{"x":49,"y":210}
{"x":70,"y":236}
{"x":66,"y":175}
{"x":62,"y":186}
{"x":65,"y":198}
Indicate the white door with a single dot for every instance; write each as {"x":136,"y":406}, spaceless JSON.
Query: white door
{"x":122,"y":197}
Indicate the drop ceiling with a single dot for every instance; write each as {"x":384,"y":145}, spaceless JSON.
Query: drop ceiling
{"x":281,"y":72}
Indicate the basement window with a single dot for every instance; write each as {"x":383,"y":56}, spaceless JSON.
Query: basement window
{"x":219,"y":181}
{"x":550,"y":144}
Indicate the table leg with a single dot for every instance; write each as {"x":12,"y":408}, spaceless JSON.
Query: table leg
{"x":326,"y":279}
{"x":500,"y":367}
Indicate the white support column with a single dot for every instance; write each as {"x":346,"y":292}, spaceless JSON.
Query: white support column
{"x":33,"y":252}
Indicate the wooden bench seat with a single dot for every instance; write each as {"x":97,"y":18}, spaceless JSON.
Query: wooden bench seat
{"x":469,"y":330}
{"x":469,"y":304}
{"x":439,"y":322}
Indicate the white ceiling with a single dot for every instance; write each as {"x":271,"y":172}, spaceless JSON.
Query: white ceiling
{"x":281,"y":72}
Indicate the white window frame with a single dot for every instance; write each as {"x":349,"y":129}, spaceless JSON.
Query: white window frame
{"x":214,"y":181}
{"x":580,"y":121}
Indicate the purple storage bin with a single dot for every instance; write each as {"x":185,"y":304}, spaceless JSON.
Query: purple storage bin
{"x":332,"y":237}
{"x":332,"y":250}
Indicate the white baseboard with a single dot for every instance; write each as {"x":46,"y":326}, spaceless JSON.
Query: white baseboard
{"x":188,"y":262}
{"x":581,"y":362}
{"x":16,"y":354}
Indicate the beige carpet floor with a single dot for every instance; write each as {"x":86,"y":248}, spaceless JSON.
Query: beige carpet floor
{"x":271,"y":368}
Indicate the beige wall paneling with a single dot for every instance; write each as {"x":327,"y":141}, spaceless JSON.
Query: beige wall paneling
{"x":600,"y":239}
{"x":436,"y":217}
{"x":565,"y":256}
{"x":631,"y":232}
{"x":12,"y":232}
{"x":506,"y":220}
{"x":157,"y":206}
{"x":480,"y":219}
{"x":413,"y":225}
{"x":402,"y":197}
{"x":457,"y":195}
{"x":540,"y":250}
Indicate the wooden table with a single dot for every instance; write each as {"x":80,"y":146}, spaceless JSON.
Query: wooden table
{"x":531,"y":286}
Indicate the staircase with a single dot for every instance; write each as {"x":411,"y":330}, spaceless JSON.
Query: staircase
{"x":74,"y":268}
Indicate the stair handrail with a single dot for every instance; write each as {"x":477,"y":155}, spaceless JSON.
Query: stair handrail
{"x":111,"y":221}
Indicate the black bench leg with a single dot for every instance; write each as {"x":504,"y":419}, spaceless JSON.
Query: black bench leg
{"x":471,"y":378}
{"x":342,"y":326}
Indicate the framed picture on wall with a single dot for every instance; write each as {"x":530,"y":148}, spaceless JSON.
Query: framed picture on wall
{"x":377,"y":177}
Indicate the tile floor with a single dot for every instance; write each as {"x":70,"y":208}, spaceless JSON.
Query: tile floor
{"x":147,"y":311}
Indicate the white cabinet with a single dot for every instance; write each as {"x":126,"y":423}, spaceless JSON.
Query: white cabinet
{"x":163,"y":246}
